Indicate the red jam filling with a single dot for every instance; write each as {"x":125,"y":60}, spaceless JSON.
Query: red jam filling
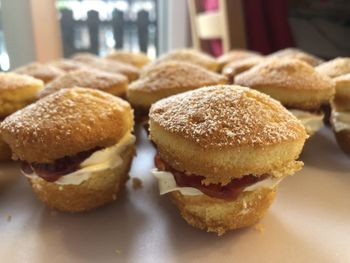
{"x":51,"y":172}
{"x":228,"y":192}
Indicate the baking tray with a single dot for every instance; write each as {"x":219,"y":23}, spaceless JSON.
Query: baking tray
{"x":308,"y":222}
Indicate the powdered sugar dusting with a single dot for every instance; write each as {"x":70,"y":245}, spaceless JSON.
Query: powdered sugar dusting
{"x":108,"y":65}
{"x":67,"y":64}
{"x":335,"y":67}
{"x":14,"y":81}
{"x":176,"y":75}
{"x":294,"y":53}
{"x":64,"y":123}
{"x":285,"y":74}
{"x":227,"y":115}
{"x":237,"y":55}
{"x":187,"y":55}
{"x":237,"y":66}
{"x":41,"y":71}
{"x":87,"y":78}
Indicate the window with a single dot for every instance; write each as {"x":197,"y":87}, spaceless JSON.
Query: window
{"x":4,"y":58}
{"x":96,"y":26}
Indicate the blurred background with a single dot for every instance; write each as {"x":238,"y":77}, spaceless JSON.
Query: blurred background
{"x":43,"y":30}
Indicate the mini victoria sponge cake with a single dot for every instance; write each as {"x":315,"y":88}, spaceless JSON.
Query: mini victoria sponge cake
{"x":294,"y":83}
{"x":137,"y":59}
{"x":170,"y":78}
{"x":236,"y":55}
{"x":222,"y":150}
{"x":75,"y":146}
{"x":188,"y":55}
{"x":17,"y":91}
{"x":108,"y":65}
{"x":335,"y":67}
{"x":236,"y":67}
{"x":115,"y":84}
{"x":45,"y":72}
{"x":67,"y":65}
{"x":295,"y":53}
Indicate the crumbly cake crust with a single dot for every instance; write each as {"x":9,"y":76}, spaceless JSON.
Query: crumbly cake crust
{"x":137,"y":59}
{"x":16,"y":82}
{"x":115,"y":84}
{"x":220,"y":216}
{"x":222,"y":116}
{"x":186,"y":55}
{"x":295,"y":53}
{"x":293,"y":82}
{"x":238,"y":66}
{"x":236,"y":55}
{"x":108,"y":65}
{"x":170,"y":78}
{"x":17,"y":91}
{"x":67,"y":65}
{"x":45,"y":72}
{"x":66,"y":123}
{"x":335,"y":67}
{"x":101,"y":188}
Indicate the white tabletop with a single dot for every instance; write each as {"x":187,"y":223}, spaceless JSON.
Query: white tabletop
{"x":308,"y":222}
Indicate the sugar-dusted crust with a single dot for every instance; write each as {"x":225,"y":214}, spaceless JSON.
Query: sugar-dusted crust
{"x":335,"y":67}
{"x":293,"y":82}
{"x":45,"y":72}
{"x":66,"y":64}
{"x":66,"y":123}
{"x":186,"y":55}
{"x":236,"y":55}
{"x":101,"y":188}
{"x":219,"y":216}
{"x":169,"y":78}
{"x":108,"y":65}
{"x":238,"y":66}
{"x":13,"y":82}
{"x":226,"y":116}
{"x":295,"y":53}
{"x":17,"y":91}
{"x":137,"y":59}
{"x":223,"y":132}
{"x":115,"y":84}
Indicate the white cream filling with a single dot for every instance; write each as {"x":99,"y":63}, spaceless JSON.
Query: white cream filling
{"x":340,"y":120}
{"x":311,"y":121}
{"x":167,"y":184}
{"x":107,"y":158}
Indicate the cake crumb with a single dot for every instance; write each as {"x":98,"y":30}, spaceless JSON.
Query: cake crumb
{"x":8,"y":218}
{"x":117,"y":251}
{"x":136,"y":183}
{"x":259,"y":227}
{"x":60,"y":188}
{"x":114,"y":197}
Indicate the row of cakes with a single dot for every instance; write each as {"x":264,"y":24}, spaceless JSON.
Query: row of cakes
{"x":76,"y":144}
